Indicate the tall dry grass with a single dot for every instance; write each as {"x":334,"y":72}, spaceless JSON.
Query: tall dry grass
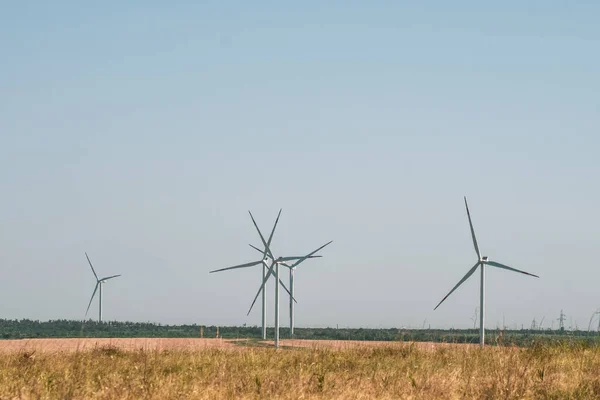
{"x":396,"y":371}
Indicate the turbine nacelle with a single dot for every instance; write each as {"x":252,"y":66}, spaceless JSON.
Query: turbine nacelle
{"x":484,"y":258}
{"x":268,"y":260}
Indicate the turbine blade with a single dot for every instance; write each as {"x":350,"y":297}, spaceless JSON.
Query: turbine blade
{"x":459,"y":283}
{"x":296,"y":258}
{"x":271,"y":269}
{"x":274,"y":226}
{"x":308,"y":255}
{"x":288,"y":292}
{"x":264,"y":252}
{"x":92,"y":298}
{"x":259,"y":250}
{"x":250,"y":264}
{"x":86,"y":256}
{"x":498,"y":265}
{"x":267,"y":249}
{"x":109,"y":277}
{"x":472,"y":230}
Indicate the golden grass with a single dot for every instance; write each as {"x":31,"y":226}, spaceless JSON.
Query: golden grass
{"x":396,"y":371}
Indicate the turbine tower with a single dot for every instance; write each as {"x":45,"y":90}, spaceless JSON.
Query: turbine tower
{"x":482,"y":261}
{"x":99,"y":283}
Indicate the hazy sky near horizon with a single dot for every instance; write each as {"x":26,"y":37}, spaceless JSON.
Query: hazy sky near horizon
{"x":143,"y":132}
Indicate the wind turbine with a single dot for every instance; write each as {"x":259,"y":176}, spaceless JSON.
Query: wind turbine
{"x":482,"y":261}
{"x":264,"y":261}
{"x":275,"y":267}
{"x":99,"y":283}
{"x":292,"y":268}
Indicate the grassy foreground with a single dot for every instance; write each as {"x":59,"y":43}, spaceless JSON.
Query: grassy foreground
{"x":400,"y":370}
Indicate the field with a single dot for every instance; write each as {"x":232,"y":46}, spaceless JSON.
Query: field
{"x":301,"y":369}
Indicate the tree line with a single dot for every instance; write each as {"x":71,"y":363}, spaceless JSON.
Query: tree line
{"x":28,"y":329}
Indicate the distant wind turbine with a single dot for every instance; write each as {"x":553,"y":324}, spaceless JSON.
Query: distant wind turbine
{"x":99,"y":283}
{"x":263,"y":261}
{"x":274,"y":269}
{"x":275,"y":262}
{"x":482,"y":261}
{"x":266,"y":257}
{"x":292,"y":268}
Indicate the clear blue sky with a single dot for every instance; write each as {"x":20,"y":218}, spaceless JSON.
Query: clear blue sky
{"x":142,"y":132}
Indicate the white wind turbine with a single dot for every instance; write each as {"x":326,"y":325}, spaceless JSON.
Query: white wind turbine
{"x":482,"y":261}
{"x":292,"y":268}
{"x":99,"y":283}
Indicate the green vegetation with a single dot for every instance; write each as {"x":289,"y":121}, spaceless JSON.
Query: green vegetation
{"x":20,"y":329}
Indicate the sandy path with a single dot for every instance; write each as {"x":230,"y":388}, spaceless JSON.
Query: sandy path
{"x":56,"y":345}
{"x":71,"y":345}
{"x":348,"y":344}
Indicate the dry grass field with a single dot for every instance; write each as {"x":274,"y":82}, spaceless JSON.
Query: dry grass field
{"x":213,"y":368}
